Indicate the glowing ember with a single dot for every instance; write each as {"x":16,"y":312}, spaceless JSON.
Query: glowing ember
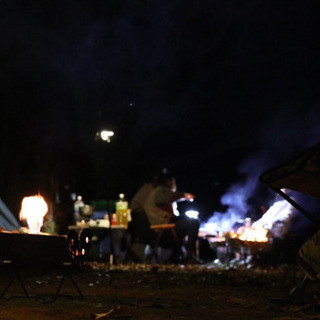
{"x":250,"y":234}
{"x":33,"y":210}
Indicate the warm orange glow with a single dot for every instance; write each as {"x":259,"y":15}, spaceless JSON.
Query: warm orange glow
{"x":250,"y":234}
{"x":33,"y":210}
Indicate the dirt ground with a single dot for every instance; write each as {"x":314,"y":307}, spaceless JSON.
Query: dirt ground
{"x":152,"y":292}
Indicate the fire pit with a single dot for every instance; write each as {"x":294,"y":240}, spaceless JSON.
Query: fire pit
{"x":42,"y":252}
{"x":25,"y":249}
{"x":255,"y":239}
{"x":246,"y":241}
{"x":220,"y":245}
{"x":215,"y":241}
{"x":255,"y":247}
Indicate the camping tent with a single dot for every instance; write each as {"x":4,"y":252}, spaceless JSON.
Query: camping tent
{"x":7,"y":219}
{"x":302,"y":174}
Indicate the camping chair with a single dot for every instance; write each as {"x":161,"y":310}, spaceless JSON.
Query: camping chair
{"x":166,"y":237}
{"x":301,"y":174}
{"x":147,"y":241}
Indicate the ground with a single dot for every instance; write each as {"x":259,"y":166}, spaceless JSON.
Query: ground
{"x":152,"y":292}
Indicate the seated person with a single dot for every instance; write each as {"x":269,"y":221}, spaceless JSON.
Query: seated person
{"x":161,"y":208}
{"x":137,"y":202}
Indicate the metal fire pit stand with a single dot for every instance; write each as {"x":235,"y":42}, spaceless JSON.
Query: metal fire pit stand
{"x":15,"y":276}
{"x":22,"y":251}
{"x":66,"y":273}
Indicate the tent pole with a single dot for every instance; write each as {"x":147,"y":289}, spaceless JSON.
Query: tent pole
{"x":297,"y":206}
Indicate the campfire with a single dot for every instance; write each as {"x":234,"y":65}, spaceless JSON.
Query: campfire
{"x":255,"y":239}
{"x":250,"y":234}
{"x":33,"y":210}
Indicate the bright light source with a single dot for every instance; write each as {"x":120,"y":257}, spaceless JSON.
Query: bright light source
{"x":33,"y":210}
{"x":192,"y":214}
{"x":105,"y":135}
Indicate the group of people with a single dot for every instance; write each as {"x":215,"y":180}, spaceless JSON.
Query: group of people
{"x":158,"y":200}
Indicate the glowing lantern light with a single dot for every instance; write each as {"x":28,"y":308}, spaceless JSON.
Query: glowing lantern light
{"x":33,"y":210}
{"x":106,"y":135}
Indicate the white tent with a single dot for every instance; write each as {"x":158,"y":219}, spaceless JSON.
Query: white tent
{"x":7,"y":219}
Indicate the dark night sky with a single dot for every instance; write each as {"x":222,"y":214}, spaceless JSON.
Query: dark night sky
{"x":216,"y":91}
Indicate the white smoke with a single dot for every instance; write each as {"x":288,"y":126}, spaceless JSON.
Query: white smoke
{"x":237,"y":196}
{"x":280,"y":144}
{"x":236,"y":201}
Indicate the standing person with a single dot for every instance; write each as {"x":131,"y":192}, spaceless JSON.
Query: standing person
{"x":161,"y":208}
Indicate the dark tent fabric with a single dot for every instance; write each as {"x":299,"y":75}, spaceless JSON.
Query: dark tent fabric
{"x":7,"y":219}
{"x":302,"y":174}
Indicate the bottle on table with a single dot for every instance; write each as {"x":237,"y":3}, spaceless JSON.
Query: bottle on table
{"x":76,"y":209}
{"x":122,"y":207}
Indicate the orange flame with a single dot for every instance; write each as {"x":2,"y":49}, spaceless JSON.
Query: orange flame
{"x":258,"y":234}
{"x":33,"y":210}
